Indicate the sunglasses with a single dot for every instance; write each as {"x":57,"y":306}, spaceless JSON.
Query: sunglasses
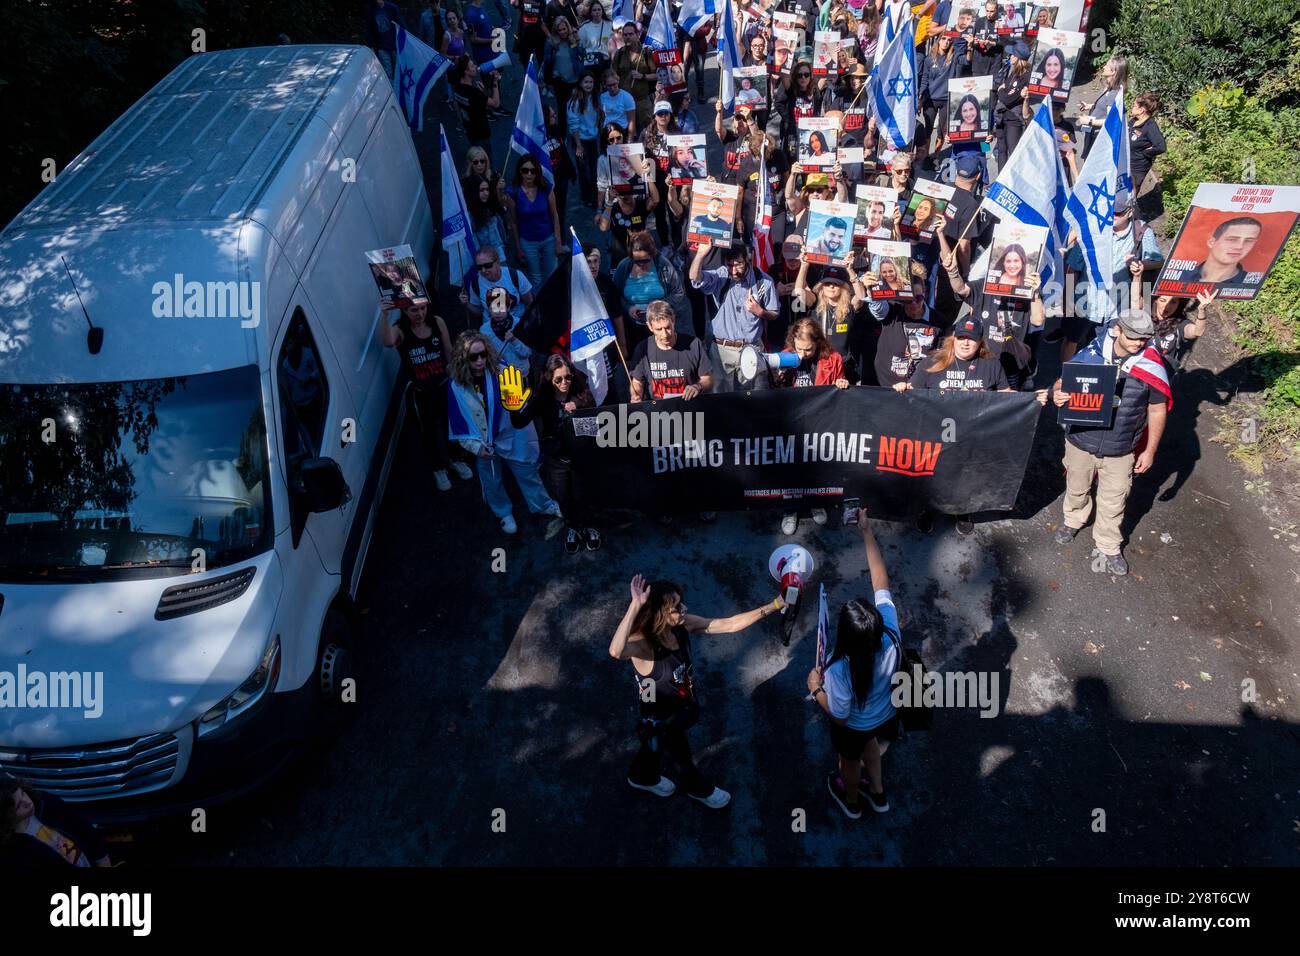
{"x":478,"y":356}
{"x":487,"y":265}
{"x":562,"y":378}
{"x":528,"y":172}
{"x":480,"y":161}
{"x":803,"y":76}
{"x":615,"y":139}
{"x":641,"y":260}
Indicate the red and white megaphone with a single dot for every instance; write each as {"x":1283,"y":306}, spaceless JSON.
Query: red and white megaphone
{"x":791,"y":565}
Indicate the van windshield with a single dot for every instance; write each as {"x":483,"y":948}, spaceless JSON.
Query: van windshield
{"x":130,"y":478}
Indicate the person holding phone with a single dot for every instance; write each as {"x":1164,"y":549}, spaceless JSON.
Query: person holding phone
{"x":853,"y":688}
{"x":655,"y":635}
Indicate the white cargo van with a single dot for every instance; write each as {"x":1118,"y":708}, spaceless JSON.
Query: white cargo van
{"x":184,"y":513}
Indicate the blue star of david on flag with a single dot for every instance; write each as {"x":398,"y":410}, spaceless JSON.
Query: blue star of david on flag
{"x":1101,"y":197}
{"x":901,"y":87}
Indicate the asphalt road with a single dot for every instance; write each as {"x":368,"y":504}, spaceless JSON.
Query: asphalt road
{"x":489,"y":697}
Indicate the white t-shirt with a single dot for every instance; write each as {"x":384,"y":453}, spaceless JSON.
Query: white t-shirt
{"x":839,"y":683}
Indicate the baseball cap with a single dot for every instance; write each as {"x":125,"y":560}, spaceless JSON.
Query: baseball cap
{"x":1019,"y":49}
{"x":834,"y":274}
{"x":1136,"y":323}
{"x":816,"y":181}
{"x":968,"y":166}
{"x":969,"y":328}
{"x":663,"y":106}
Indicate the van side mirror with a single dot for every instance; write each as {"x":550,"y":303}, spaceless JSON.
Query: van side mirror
{"x":322,"y":484}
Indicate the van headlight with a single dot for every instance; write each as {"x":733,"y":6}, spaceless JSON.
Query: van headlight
{"x":244,"y":697}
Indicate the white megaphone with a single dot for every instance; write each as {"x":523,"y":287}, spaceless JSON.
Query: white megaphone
{"x":500,"y":63}
{"x":752,"y":359}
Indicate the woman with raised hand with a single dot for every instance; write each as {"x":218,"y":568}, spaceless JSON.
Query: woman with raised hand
{"x":655,"y":635}
{"x":854,"y":686}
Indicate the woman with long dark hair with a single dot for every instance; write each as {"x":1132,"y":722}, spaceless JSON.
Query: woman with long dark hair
{"x":559,"y":392}
{"x":854,"y":686}
{"x":584,"y":135}
{"x":484,"y":213}
{"x":1011,"y":266}
{"x":1053,"y":69}
{"x":423,"y":342}
{"x":655,"y":635}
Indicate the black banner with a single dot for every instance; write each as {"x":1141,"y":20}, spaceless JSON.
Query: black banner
{"x":898,"y":452}
{"x":1091,"y":394}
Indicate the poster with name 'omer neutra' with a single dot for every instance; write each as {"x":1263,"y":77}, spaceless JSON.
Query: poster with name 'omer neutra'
{"x":1231,"y":238}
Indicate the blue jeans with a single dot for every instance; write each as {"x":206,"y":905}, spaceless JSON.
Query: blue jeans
{"x":539,"y":260}
{"x":492,"y":477}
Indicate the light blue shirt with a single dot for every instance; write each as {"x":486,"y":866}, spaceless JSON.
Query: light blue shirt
{"x":585,"y":124}
{"x":618,"y":109}
{"x":733,"y":320}
{"x":878,"y":707}
{"x":1105,"y":307}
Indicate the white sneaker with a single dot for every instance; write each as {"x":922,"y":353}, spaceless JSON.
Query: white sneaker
{"x":664,"y":788}
{"x":819,"y":515}
{"x":718,"y":799}
{"x":462,"y":470}
{"x":553,"y":510}
{"x":508,"y":524}
{"x":442,"y":481}
{"x":789,"y":523}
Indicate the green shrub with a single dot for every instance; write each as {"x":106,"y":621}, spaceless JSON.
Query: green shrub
{"x":1175,"y":47}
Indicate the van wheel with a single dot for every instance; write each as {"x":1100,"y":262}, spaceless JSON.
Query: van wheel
{"x":335,"y":674}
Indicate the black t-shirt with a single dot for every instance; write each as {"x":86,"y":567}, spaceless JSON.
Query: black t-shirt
{"x":1169,"y":342}
{"x":1003,"y":318}
{"x":423,"y":358}
{"x":977,"y":375}
{"x":903,"y":345}
{"x":667,"y":373}
{"x":621,"y":223}
{"x":474,"y":104}
{"x":839,"y":332}
{"x":805,"y":374}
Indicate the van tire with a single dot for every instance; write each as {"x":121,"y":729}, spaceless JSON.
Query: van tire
{"x":334,"y":666}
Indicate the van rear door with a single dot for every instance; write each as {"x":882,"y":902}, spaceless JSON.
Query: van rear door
{"x":316,"y":418}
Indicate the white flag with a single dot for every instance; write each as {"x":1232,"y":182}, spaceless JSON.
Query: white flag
{"x":457,"y":234}
{"x":590,"y":330}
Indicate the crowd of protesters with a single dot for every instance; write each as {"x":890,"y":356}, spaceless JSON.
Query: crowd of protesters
{"x":685,"y":307}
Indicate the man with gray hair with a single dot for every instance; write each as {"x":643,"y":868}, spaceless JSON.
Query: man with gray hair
{"x":1115,"y":452}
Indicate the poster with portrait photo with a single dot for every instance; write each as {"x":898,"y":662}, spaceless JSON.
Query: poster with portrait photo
{"x":819,"y":137}
{"x":758,"y":9}
{"x":970,"y":113}
{"x":627,"y":168}
{"x":687,"y":161}
{"x":669,"y":70}
{"x":1016,"y":252}
{"x":397,"y":277}
{"x":928,"y":200}
{"x":1042,"y":15}
{"x":892,"y":263}
{"x":1011,"y":19}
{"x":962,"y":17}
{"x":713,"y":214}
{"x":750,"y":84}
{"x":875,"y":217}
{"x":826,"y":52}
{"x":1231,"y":238}
{"x":785,"y":44}
{"x":829,"y":236}
{"x":1055,"y":56}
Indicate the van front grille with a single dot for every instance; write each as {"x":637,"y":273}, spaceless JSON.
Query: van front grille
{"x":98,"y":771}
{"x":182,"y":599}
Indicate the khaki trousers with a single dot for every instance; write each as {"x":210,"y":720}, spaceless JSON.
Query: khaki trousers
{"x":1114,"y":479}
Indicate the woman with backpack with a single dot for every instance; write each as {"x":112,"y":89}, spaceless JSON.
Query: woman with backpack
{"x":854,"y":686}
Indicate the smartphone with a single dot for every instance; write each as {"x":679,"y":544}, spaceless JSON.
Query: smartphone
{"x":851,"y":508}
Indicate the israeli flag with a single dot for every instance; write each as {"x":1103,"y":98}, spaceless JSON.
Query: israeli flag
{"x":1091,"y":206}
{"x":728,"y":60}
{"x":892,"y":90}
{"x":418,"y":68}
{"x":694,"y":14}
{"x":590,"y":330}
{"x":624,"y":12}
{"x":659,"y":35}
{"x":1031,"y":190}
{"x":457,"y":235}
{"x":529,"y":136}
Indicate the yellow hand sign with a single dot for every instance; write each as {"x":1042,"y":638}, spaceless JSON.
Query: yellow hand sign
{"x":513,"y":394}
